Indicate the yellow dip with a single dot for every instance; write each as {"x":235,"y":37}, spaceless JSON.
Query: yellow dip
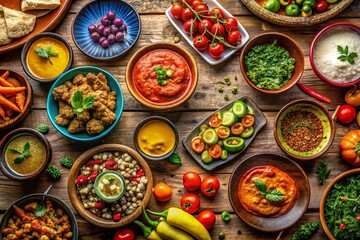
{"x":156,"y":138}
{"x":30,"y":164}
{"x":110,"y":186}
{"x":41,"y":67}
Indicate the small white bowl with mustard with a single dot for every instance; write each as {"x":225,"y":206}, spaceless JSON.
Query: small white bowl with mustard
{"x":46,"y":56}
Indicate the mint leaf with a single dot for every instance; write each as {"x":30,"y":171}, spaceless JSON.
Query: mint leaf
{"x":23,"y":154}
{"x":274,"y":195}
{"x":19,"y":159}
{"x":26,"y":148}
{"x":261,"y":186}
{"x":13,"y":150}
{"x":175,"y":158}
{"x":40,"y":210}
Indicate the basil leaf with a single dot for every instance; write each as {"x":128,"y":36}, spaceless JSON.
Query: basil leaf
{"x":261,"y":186}
{"x":175,"y":158}
{"x":40,"y":210}
{"x":274,"y":195}
{"x":26,"y":148}
{"x":13,"y":150}
{"x":19,"y":159}
{"x":88,"y":102}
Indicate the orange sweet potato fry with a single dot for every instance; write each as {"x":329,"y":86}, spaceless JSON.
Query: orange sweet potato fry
{"x":8,"y":104}
{"x":9,"y":112}
{"x":20,"y":101}
{"x":10,"y":90}
{"x":2,"y":114}
{"x":14,"y":82}
{"x":5,"y":75}
{"x":5,"y":83}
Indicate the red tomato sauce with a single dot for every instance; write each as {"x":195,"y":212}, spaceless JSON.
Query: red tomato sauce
{"x":145,"y":77}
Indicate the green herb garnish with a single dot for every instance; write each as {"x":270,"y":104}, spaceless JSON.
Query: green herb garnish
{"x":345,"y":55}
{"x":162,"y":74}
{"x":305,"y":231}
{"x":322,"y":171}
{"x":272,"y":195}
{"x":46,"y":53}
{"x":40,"y":210}
{"x":23,"y":154}
{"x":56,"y":215}
{"x":111,"y":180}
{"x":175,"y":158}
{"x":79,"y":103}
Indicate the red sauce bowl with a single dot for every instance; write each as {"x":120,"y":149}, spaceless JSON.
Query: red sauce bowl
{"x":164,"y":103}
{"x":313,"y":46}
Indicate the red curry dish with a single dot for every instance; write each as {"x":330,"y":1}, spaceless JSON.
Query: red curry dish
{"x":162,"y":76}
{"x":267,"y":191}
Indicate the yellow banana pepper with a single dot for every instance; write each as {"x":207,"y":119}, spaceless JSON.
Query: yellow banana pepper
{"x":149,"y":233}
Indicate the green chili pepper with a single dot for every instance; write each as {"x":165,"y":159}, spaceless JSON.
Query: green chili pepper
{"x":225,"y":216}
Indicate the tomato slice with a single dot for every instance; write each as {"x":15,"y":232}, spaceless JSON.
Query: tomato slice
{"x":197,"y":144}
{"x":223,"y":132}
{"x":237,"y":129}
{"x":248,"y":120}
{"x":215,"y":151}
{"x":215,"y":120}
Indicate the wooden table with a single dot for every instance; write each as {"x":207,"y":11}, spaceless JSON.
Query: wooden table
{"x":156,"y":27}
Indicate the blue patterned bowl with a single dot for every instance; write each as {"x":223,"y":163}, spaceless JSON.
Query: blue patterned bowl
{"x":91,"y":13}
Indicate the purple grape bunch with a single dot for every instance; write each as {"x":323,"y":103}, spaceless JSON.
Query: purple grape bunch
{"x":110,"y":30}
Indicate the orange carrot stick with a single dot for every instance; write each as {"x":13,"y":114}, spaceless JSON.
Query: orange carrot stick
{"x":5,"y":83}
{"x":9,"y":90}
{"x":6,"y":103}
{"x":20,"y":101}
{"x":14,"y":82}
{"x":5,"y":75}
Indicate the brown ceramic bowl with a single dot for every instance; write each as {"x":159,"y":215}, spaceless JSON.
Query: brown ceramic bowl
{"x":10,"y":173}
{"x":74,"y":198}
{"x":323,"y":199}
{"x":283,"y":41}
{"x":270,"y":224}
{"x":162,"y":46}
{"x":16,"y":118}
{"x":326,"y":121}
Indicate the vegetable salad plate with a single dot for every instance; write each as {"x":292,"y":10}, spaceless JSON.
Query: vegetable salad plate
{"x":245,"y":138}
{"x":178,"y":24}
{"x":43,"y":23}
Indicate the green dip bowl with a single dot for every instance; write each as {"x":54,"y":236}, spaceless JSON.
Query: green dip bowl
{"x":99,"y":185}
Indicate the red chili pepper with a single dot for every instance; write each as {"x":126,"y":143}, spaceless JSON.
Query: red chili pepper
{"x":109,"y":164}
{"x":81,"y":179}
{"x":115,"y":167}
{"x":140,"y":172}
{"x":136,"y":179}
{"x":93,"y":175}
{"x":93,"y":162}
{"x":313,"y":93}
{"x":117,"y":216}
{"x":357,"y":217}
{"x":99,"y":205}
{"x":342,"y":226}
{"x":343,"y":198}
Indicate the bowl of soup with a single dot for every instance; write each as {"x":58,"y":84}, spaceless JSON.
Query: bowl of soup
{"x":25,"y":154}
{"x":46,"y":56}
{"x":156,"y":138}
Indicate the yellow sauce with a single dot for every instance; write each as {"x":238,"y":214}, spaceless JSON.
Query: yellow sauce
{"x":30,"y":164}
{"x":41,"y":67}
{"x":156,"y":138}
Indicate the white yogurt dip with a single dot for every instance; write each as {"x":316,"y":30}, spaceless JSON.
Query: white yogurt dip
{"x":326,"y":55}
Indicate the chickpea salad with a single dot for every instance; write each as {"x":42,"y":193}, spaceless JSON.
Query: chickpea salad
{"x":135,"y":183}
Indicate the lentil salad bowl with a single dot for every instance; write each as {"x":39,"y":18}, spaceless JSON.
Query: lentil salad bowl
{"x":110,"y":158}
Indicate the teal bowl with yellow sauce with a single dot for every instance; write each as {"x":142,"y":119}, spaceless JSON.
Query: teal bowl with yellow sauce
{"x":304,"y":129}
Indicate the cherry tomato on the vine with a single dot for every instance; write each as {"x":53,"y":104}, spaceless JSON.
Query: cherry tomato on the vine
{"x":176,"y":10}
{"x":205,"y":23}
{"x":207,"y":218}
{"x":124,"y":234}
{"x":191,"y":181}
{"x":195,"y":3}
{"x":231,"y":24}
{"x":162,"y":192}
{"x":202,"y":9}
{"x":210,"y":186}
{"x":201,"y":42}
{"x":190,"y":27}
{"x":234,"y":38}
{"x":197,"y":144}
{"x":346,"y":114}
{"x":187,"y":14}
{"x":216,"y":50}
{"x":216,"y":13}
{"x":190,"y":203}
{"x":218,"y":29}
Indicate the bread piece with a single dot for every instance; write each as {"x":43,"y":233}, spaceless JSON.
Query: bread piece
{"x":18,"y":24}
{"x":39,"y":4}
{"x":4,"y":39}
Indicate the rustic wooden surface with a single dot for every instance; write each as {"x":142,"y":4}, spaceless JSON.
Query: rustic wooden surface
{"x":205,"y":100}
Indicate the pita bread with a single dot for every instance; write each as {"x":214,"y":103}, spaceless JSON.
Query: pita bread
{"x":4,"y":39}
{"x":18,"y":24}
{"x":39,"y":4}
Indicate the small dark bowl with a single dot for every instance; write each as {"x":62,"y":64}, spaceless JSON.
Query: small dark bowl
{"x":29,"y":95}
{"x":3,"y":146}
{"x":283,"y":41}
{"x":141,"y":124}
{"x":39,"y":197}
{"x":33,"y":39}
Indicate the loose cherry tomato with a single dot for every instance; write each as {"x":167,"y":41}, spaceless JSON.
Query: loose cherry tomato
{"x":190,"y":26}
{"x":195,"y":3}
{"x":210,"y":186}
{"x":207,"y":218}
{"x":248,"y":120}
{"x":191,"y":181}
{"x":346,"y":114}
{"x":231,"y":24}
{"x":321,"y":6}
{"x":176,"y":10}
{"x":197,"y":144}
{"x":201,"y":42}
{"x":215,"y":120}
{"x":190,"y":203}
{"x":215,"y":151}
{"x":202,"y":9}
{"x":237,"y":129}
{"x":124,"y":234}
{"x":218,"y":29}
{"x":234,"y":38}
{"x":352,"y":97}
{"x":162,"y":192}
{"x":205,"y":23}
{"x":187,"y":14}
{"x":216,"y":13}
{"x":342,"y":226}
{"x":216,"y":50}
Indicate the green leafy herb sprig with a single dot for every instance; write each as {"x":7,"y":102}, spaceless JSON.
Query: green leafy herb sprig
{"x":345,"y":55}
{"x":79,"y":103}
{"x":46,"y":53}
{"x":40,"y":210}
{"x":23,"y":154}
{"x":162,"y":74}
{"x":272,"y":195}
{"x":175,"y":158}
{"x":322,"y":171}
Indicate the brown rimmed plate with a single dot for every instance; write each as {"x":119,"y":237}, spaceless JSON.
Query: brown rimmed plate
{"x":271,"y":224}
{"x":45,"y":23}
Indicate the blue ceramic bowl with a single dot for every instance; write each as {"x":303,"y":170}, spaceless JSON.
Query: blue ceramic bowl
{"x":92,"y":13}
{"x":53,"y":108}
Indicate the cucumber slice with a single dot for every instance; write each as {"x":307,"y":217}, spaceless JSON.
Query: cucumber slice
{"x":250,"y":110}
{"x":240,"y":108}
{"x":210,"y":137}
{"x":234,"y":144}
{"x":229,"y":118}
{"x":248,"y":132}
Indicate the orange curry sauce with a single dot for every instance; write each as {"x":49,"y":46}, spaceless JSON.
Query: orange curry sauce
{"x":256,"y":203}
{"x":145,"y":77}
